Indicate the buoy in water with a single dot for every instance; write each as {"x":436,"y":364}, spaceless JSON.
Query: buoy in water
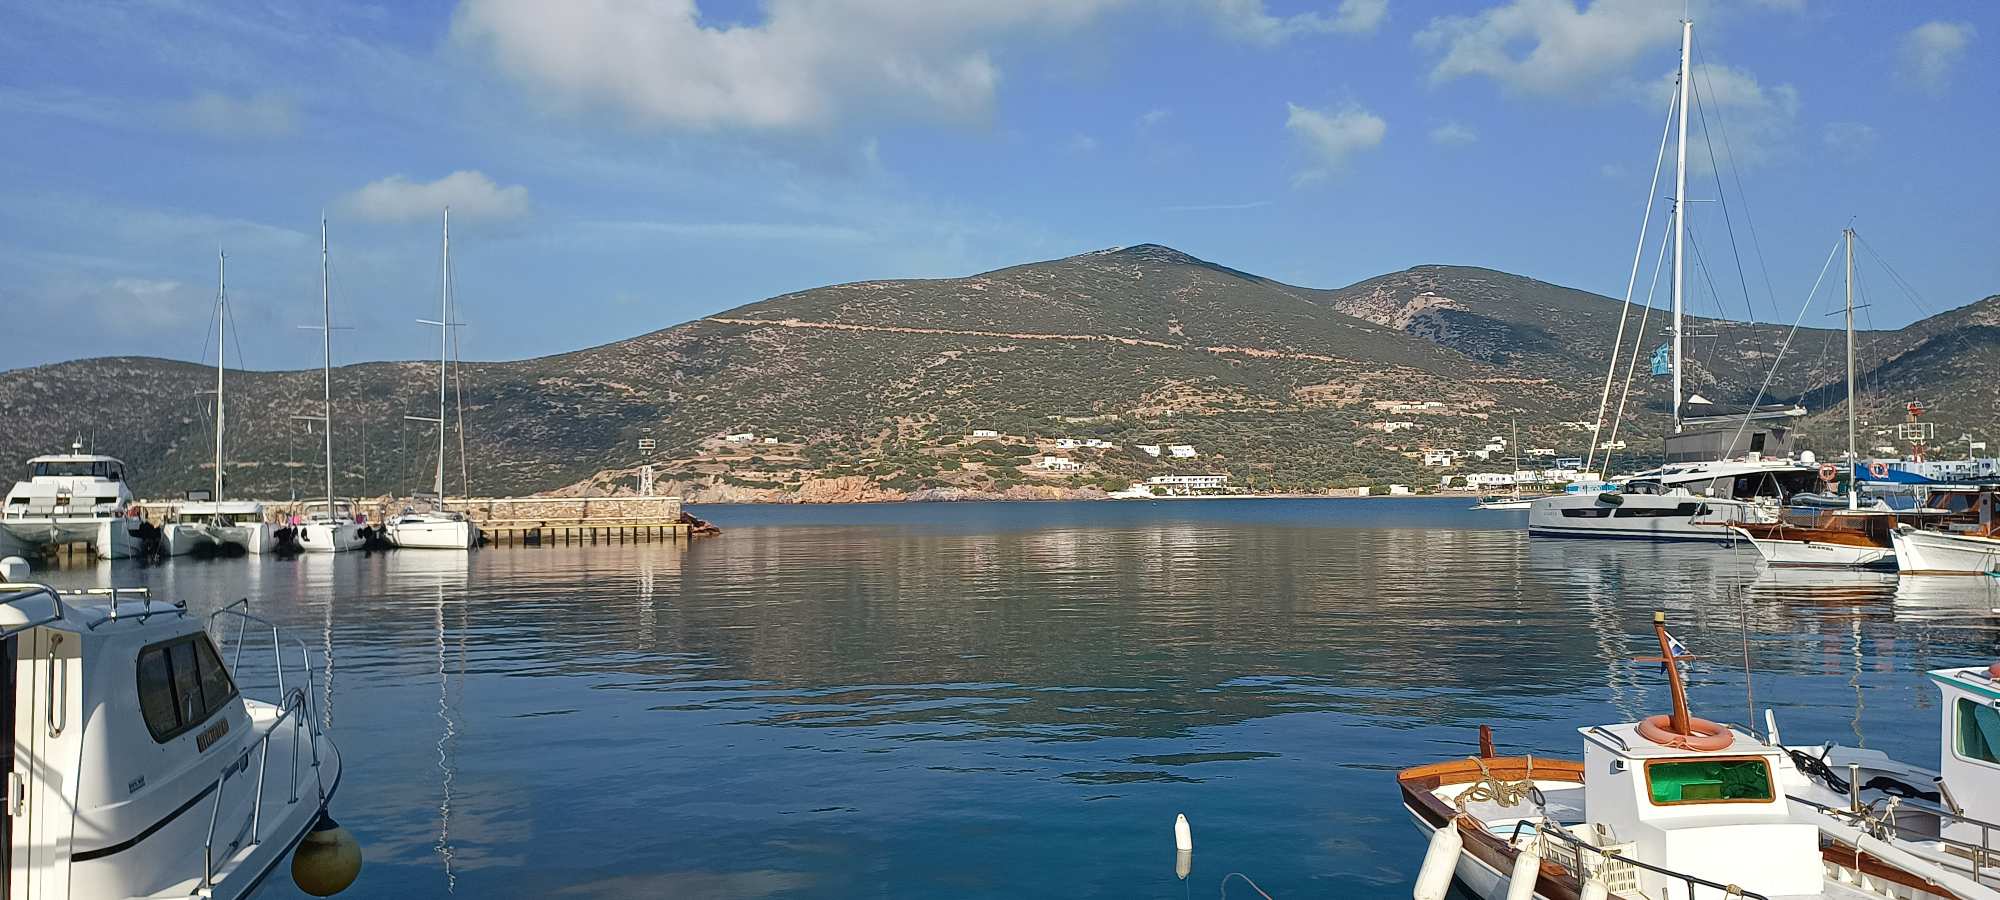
{"x":1183,"y":836}
{"x":13,"y":569}
{"x":328,"y":859}
{"x":1440,"y":861}
{"x":1527,"y":870}
{"x":1183,"y":863}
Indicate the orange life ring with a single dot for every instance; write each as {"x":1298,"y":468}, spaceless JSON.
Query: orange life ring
{"x":1878,"y":469}
{"x":1828,"y":473}
{"x":1707,"y":737}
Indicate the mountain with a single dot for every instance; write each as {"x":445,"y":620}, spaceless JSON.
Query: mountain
{"x":873,"y":389}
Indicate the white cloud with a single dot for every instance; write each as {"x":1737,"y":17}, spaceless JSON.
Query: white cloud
{"x":470,"y":194}
{"x":1249,"y":20}
{"x":807,"y":64}
{"x":264,"y":115}
{"x":1453,"y":133}
{"x":1153,"y":117}
{"x":1853,"y":140}
{"x":1549,"y":46}
{"x":1081,"y":143}
{"x":1932,"y":50}
{"x":1753,"y":122}
{"x":740,"y":231}
{"x":1333,"y":135}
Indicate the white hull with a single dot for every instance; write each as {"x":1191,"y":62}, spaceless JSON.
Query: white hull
{"x":110,"y":538}
{"x":187,"y":537}
{"x":181,"y":538}
{"x":457,"y":535}
{"x":1818,"y":554}
{"x":323,"y":537}
{"x":1936,"y":552}
{"x":1652,"y":517}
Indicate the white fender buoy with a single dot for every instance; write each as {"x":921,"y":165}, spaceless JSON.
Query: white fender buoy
{"x":328,"y":859}
{"x":13,"y":569}
{"x":1594,"y":888}
{"x":1183,"y":863}
{"x":1183,"y":836}
{"x":1440,"y":862}
{"x":1527,"y":870}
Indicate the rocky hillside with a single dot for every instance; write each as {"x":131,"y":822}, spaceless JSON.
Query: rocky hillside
{"x":875,"y":390}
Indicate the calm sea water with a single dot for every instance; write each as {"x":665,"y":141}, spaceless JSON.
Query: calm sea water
{"x":1014,"y":700}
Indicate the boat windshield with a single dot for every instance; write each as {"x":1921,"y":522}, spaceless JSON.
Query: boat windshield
{"x":85,"y":468}
{"x":1672,"y":782}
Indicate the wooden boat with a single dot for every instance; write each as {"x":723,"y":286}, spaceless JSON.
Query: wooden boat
{"x":1671,"y":806}
{"x":1842,"y":538}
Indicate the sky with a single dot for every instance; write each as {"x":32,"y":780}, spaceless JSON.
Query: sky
{"x":616,"y":167}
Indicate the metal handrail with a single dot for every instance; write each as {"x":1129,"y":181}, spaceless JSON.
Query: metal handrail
{"x":1866,"y":819}
{"x":1691,"y":881}
{"x":18,"y":591}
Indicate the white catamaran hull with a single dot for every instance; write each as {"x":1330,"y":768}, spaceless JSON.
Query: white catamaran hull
{"x":1942,"y":553}
{"x":183,"y":538}
{"x":110,"y":538}
{"x":1654,"y":517}
{"x":324,"y":537}
{"x":250,"y":537}
{"x":456,"y":535}
{"x":1818,"y":554}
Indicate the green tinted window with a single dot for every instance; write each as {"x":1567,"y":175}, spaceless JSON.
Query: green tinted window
{"x":1978,"y":731}
{"x":1709,"y":781}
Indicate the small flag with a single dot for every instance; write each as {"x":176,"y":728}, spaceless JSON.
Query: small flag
{"x":1662,"y":361}
{"x":1674,"y":648}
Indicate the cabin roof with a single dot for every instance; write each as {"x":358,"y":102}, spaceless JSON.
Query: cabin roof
{"x":1624,"y":740}
{"x":74,"y":457}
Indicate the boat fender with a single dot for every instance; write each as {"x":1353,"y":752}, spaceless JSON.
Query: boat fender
{"x":328,"y":859}
{"x":1527,"y":870}
{"x":1183,"y":835}
{"x":1594,"y":888}
{"x":1612,"y":497}
{"x":1440,"y":863}
{"x":13,"y":569}
{"x":1707,"y":736}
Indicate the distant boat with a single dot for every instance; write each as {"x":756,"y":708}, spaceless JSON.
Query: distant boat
{"x":1970,"y":546}
{"x":329,"y":525}
{"x":211,"y":522}
{"x":438,"y":528}
{"x":1705,"y":484}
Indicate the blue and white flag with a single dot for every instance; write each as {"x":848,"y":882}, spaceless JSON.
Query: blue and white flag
{"x":1674,"y":648}
{"x":1662,"y":361}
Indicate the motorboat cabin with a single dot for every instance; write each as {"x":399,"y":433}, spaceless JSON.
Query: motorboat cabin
{"x":141,"y":766}
{"x":73,"y":497}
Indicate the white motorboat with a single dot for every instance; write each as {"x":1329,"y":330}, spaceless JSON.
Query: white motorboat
{"x":73,"y":497}
{"x":1688,"y":501}
{"x":330,"y":526}
{"x":209,"y":524}
{"x":142,"y":768}
{"x":1840,"y":539}
{"x":438,"y":528}
{"x":1924,"y":552}
{"x":1671,"y":806}
{"x":1943,"y":816}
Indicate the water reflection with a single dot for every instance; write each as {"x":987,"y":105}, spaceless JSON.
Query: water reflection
{"x":1006,"y":700}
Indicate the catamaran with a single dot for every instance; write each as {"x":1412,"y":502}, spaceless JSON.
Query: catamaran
{"x":331,"y":527}
{"x":438,"y":528}
{"x":213,"y":523}
{"x":1722,"y":467}
{"x":73,"y":497}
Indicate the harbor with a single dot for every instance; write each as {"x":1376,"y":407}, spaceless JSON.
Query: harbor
{"x":1018,"y":698}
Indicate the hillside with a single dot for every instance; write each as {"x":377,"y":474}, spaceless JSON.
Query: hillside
{"x":872,"y":389}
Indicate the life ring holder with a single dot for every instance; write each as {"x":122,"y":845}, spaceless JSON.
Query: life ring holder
{"x":1878,"y":469}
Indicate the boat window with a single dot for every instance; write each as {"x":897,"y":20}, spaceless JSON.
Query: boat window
{"x":1739,"y":780}
{"x":1978,"y":731}
{"x":1684,"y":509}
{"x":64,"y":469}
{"x":1589,"y":512}
{"x":182,"y":683}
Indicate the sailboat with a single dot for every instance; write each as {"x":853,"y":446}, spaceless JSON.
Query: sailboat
{"x":1842,"y":538}
{"x":1722,"y":467}
{"x":438,"y":528}
{"x":329,"y":525}
{"x":215,"y":524}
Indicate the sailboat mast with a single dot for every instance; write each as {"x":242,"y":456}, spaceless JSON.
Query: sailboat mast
{"x":221,"y":316}
{"x":444,"y":343}
{"x":1853,"y":487}
{"x":326,"y":365}
{"x":1680,"y":209}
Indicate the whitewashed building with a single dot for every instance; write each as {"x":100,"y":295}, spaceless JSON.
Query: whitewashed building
{"x":1188,"y":484}
{"x":1068,"y":443}
{"x":1150,"y":449}
{"x":740,"y":437}
{"x":1059,"y":464}
{"x":1440,"y":457}
{"x":984,"y":433}
{"x":1181,"y":451}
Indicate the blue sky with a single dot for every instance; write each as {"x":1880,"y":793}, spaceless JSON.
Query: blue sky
{"x":617,"y":167}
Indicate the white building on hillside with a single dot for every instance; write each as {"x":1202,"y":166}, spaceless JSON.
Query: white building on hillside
{"x":1150,"y":449}
{"x":984,"y":433}
{"x":740,"y":437}
{"x":1059,"y":464}
{"x":1181,"y":451}
{"x":1188,"y":484}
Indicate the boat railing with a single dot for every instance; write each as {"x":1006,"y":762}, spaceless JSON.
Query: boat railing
{"x":1606,"y":856}
{"x":15,"y":593}
{"x":295,"y":710}
{"x":1879,"y":820}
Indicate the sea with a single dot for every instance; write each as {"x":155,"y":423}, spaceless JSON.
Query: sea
{"x":1017,"y":699}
